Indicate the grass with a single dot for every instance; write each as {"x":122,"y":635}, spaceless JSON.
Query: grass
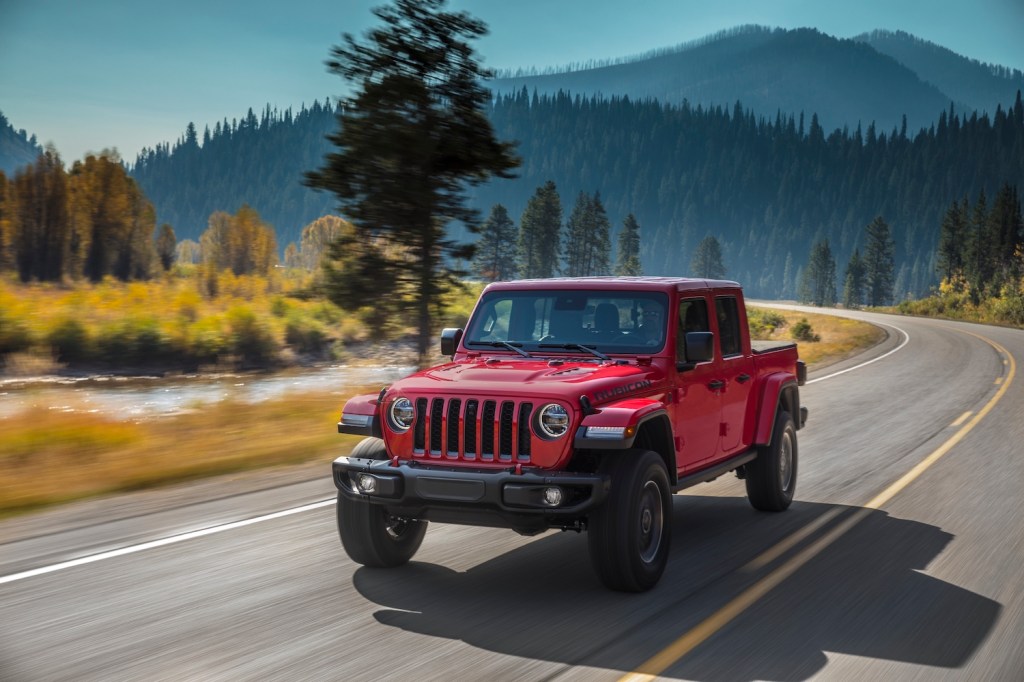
{"x":839,"y":337}
{"x":49,"y":456}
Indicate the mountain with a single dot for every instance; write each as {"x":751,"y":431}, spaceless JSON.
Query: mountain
{"x":846,"y":82}
{"x":977,"y":85}
{"x":17,"y":149}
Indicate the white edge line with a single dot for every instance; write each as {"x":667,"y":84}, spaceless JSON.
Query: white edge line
{"x":906,"y":340}
{"x":92,"y":558}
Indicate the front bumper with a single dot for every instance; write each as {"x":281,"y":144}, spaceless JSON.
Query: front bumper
{"x":481,"y":497}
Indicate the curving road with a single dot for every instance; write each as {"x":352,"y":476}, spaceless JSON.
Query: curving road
{"x":900,"y":560}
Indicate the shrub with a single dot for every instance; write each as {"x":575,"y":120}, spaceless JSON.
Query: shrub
{"x":763,"y":322}
{"x":70,"y":341}
{"x":251,"y":339}
{"x":802,"y":331}
{"x":305,"y":335}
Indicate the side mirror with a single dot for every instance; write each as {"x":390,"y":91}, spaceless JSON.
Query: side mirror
{"x":450,"y":338}
{"x":700,"y":347}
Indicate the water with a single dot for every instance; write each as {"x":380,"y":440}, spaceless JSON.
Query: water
{"x":133,"y":398}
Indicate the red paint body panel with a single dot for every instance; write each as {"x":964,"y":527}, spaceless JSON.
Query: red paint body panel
{"x":470,"y":411}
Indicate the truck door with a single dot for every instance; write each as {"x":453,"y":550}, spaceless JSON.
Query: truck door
{"x":735,"y":372}
{"x":696,"y":403}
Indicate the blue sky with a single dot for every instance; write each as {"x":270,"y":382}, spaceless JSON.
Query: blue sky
{"x":94,"y":74}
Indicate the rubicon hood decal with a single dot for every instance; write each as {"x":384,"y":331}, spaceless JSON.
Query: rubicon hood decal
{"x":620,"y":391}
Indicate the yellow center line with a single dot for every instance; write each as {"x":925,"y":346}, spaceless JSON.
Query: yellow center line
{"x":654,"y":666}
{"x":962,"y":418}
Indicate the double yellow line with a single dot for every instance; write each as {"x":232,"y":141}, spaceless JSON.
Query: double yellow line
{"x":668,"y":656}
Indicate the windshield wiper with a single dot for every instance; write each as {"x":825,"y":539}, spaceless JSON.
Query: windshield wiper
{"x":504,"y":344}
{"x":576,"y":346}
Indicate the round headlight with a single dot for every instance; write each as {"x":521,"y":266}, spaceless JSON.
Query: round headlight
{"x":553,"y":421}
{"x":401,"y":414}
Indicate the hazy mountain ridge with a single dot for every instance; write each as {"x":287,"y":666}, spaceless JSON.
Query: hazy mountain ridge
{"x":877,"y":77}
{"x":17,"y":148}
{"x":976,"y":84}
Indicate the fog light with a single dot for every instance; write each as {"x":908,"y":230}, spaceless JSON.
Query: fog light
{"x":552,"y":496}
{"x":367,"y":484}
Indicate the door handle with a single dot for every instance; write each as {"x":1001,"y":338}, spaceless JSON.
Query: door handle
{"x":716,"y":385}
{"x":743,"y":378}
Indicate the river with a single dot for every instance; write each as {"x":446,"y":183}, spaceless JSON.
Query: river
{"x":133,"y":398}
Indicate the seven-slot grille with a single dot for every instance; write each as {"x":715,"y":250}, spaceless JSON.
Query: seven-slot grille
{"x":472,"y":430}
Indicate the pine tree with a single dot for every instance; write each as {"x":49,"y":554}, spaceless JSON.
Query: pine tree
{"x":628,"y":258}
{"x":539,"y":228}
{"x":587,"y":241}
{"x":707,"y":260}
{"x":853,"y":286}
{"x":410,"y":142}
{"x":818,"y":286}
{"x":950,"y":257}
{"x":879,"y":267}
{"x":495,"y":258}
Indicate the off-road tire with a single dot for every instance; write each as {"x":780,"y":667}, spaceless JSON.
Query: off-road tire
{"x":370,"y":535}
{"x":629,"y":535}
{"x":771,"y":478}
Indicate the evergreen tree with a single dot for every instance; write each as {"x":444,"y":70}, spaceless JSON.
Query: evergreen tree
{"x":537,"y":247}
{"x":1007,"y":230}
{"x":818,"y":286}
{"x":879,"y":266}
{"x":587,"y":241}
{"x":6,"y":224}
{"x":980,"y":261}
{"x":950,"y":256}
{"x":707,"y":260}
{"x":166,"y":243}
{"x":853,"y":286}
{"x":628,"y":259}
{"x":411,"y":140}
{"x":495,"y":258}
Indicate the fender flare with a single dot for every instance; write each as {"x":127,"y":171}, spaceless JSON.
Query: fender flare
{"x":779,"y":390}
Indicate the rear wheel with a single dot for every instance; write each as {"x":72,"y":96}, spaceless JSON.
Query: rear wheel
{"x":771,"y":478}
{"x":370,"y":535}
{"x":629,"y":534}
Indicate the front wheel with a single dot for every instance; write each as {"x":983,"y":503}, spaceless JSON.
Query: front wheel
{"x":771,"y":478}
{"x":628,"y":536}
{"x":369,"y":534}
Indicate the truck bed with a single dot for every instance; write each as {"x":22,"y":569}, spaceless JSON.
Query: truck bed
{"x":759,"y":347}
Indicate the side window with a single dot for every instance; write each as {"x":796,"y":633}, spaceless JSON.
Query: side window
{"x":728,"y":326}
{"x":693,"y":317}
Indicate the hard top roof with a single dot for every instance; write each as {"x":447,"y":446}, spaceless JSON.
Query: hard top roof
{"x":613,"y":283}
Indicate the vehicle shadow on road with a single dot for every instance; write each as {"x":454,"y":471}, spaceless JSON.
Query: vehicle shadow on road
{"x":864,"y":595}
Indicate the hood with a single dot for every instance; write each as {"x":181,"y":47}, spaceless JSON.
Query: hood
{"x":505,"y":376}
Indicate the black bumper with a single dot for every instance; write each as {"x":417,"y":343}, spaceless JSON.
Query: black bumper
{"x":482,"y":497}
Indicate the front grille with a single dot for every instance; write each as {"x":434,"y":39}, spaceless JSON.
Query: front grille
{"x":472,"y":430}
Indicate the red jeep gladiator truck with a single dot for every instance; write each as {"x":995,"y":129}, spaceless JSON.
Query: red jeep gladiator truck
{"x":579,"y":404}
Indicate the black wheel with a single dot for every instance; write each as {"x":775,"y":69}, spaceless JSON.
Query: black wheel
{"x":771,"y":478}
{"x":369,"y":534}
{"x":629,"y":534}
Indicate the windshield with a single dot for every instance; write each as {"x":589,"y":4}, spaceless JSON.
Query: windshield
{"x":559,"y":321}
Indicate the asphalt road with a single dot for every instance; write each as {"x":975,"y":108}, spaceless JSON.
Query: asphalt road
{"x":871,"y":575}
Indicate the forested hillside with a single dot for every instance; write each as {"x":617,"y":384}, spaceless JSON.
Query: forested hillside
{"x":257,"y":161}
{"x":767,"y":189}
